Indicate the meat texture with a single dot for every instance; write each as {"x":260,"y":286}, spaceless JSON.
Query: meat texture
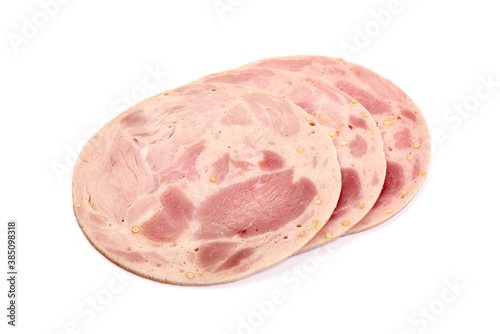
{"x":401,"y":123}
{"x":205,"y":184}
{"x":353,"y":131}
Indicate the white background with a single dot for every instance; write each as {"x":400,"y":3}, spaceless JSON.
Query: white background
{"x":60,"y":82}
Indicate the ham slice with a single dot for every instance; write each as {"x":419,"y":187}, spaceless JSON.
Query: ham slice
{"x":402,"y":125}
{"x":354,"y":132}
{"x":205,"y":184}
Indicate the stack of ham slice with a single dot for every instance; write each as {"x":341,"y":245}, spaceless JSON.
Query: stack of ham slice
{"x":217,"y":180}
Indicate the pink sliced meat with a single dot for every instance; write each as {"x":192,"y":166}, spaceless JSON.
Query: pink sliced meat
{"x":205,"y":184}
{"x":401,"y":123}
{"x":359,"y":145}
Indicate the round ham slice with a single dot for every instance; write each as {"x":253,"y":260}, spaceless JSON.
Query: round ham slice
{"x":354,"y":132}
{"x":205,"y":184}
{"x":401,"y":123}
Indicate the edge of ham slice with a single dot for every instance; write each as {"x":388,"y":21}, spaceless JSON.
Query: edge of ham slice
{"x":402,"y":125}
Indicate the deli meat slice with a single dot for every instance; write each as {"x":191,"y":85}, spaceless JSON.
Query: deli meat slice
{"x":401,"y":123}
{"x":205,"y":184}
{"x":354,"y":132}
